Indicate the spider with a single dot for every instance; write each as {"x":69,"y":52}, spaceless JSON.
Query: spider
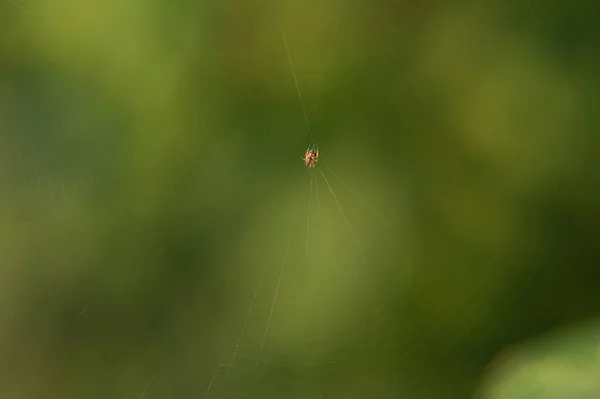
{"x":311,"y":156}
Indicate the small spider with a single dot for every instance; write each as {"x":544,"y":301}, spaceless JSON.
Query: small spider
{"x":311,"y":156}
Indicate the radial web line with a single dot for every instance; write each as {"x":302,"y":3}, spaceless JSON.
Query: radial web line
{"x":212,"y":380}
{"x":341,"y":210}
{"x":287,"y":50}
{"x":319,"y":207}
{"x":308,"y":215}
{"x":239,"y":342}
{"x":355,"y":193}
{"x":146,"y":388}
{"x":264,"y":338}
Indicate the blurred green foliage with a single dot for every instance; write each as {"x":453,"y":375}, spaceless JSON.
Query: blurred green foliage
{"x":154,"y":203}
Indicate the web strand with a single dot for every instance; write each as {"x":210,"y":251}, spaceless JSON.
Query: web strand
{"x":308,"y":215}
{"x":287,"y":50}
{"x":341,"y":210}
{"x":146,"y":388}
{"x":212,"y":380}
{"x":355,"y":193}
{"x":264,"y":338}
{"x":239,"y":341}
{"x":319,"y":207}
{"x":244,"y":328}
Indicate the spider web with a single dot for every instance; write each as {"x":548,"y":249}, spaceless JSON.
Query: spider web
{"x":268,"y":358}
{"x":296,"y":334}
{"x":313,"y":308}
{"x":273,"y":356}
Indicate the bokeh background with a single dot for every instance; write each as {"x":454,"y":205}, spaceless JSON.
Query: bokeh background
{"x":161,"y":238}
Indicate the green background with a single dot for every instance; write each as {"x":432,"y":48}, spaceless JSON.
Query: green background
{"x":161,"y":238}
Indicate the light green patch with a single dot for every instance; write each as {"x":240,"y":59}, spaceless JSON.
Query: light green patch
{"x":565,"y":364}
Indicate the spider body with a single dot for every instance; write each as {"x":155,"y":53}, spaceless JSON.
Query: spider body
{"x":311,"y":156}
